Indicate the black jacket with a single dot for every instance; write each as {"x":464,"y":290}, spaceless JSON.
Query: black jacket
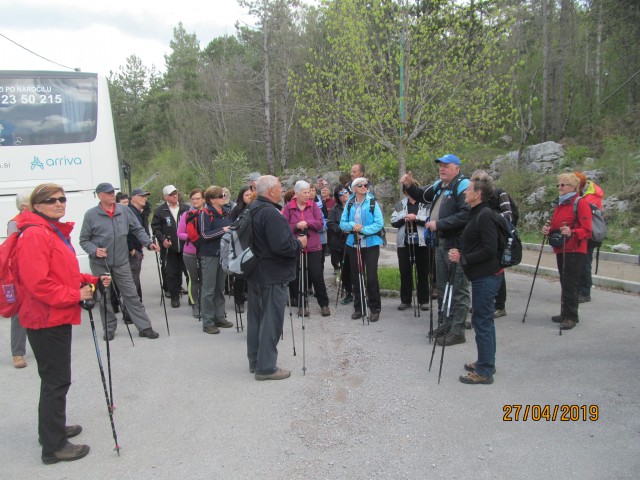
{"x":274,"y":244}
{"x":454,"y":211}
{"x":337,"y":238}
{"x":165,"y":227}
{"x":479,"y":254}
{"x":132,"y":241}
{"x":212,"y":226}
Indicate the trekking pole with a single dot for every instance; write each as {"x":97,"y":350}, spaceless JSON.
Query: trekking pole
{"x":293,"y":339}
{"x":430,"y":290}
{"x":199,"y":269}
{"x":122,"y":309}
{"x":443,"y":329}
{"x":87,"y":305}
{"x":238,"y":312}
{"x":106,"y":337}
{"x":361,"y":281}
{"x":344,"y":254}
{"x":164,"y":306}
{"x":535,"y":273}
{"x":303,"y":298}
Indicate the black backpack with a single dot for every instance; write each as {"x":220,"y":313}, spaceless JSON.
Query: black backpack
{"x":509,"y":243}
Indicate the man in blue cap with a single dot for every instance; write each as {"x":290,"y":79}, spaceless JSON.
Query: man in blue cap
{"x":448,"y":216}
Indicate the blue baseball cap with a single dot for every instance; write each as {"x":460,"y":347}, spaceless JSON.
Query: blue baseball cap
{"x":448,"y":158}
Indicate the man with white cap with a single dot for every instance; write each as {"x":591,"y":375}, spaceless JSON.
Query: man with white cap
{"x":448,"y":216}
{"x":104,"y":237}
{"x":165,"y":227}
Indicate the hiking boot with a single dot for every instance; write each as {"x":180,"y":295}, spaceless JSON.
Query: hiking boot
{"x":500,"y":313}
{"x":149,"y":333}
{"x":224,"y":324}
{"x":211,"y":330}
{"x":279,"y":374}
{"x":471,"y":366}
{"x":451,"y":339}
{"x":356,"y":315}
{"x":567,"y":324}
{"x":374,"y":316}
{"x":442,"y":330}
{"x":19,"y":362}
{"x":175,"y":302}
{"x":584,"y":298}
{"x":306,"y":312}
{"x":111,"y":335}
{"x":403,"y":306}
{"x":424,"y":307}
{"x":325,"y":312}
{"x":347,"y":299}
{"x":70,"y":431}
{"x":68,"y":453}
{"x":472,"y":378}
{"x":556,"y":319}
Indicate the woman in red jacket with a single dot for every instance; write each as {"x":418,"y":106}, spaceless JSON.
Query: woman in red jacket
{"x":49,"y":275}
{"x":569,"y":235}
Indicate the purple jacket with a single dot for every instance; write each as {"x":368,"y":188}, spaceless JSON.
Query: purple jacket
{"x":312,"y":215}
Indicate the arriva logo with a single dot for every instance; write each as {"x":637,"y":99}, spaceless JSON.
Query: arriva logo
{"x":54,"y":162}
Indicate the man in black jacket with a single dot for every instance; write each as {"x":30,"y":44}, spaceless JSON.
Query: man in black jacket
{"x":448,"y":216}
{"x":165,"y":227}
{"x":137,"y":202}
{"x":268,"y":284}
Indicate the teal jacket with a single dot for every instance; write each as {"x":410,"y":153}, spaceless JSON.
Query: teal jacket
{"x":372,"y":223}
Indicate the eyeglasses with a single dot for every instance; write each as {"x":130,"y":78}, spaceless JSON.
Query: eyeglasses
{"x":361,"y":185}
{"x":563,"y":185}
{"x":52,"y":200}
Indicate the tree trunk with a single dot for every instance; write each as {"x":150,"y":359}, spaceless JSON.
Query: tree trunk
{"x":546,"y":38}
{"x":271,"y":163}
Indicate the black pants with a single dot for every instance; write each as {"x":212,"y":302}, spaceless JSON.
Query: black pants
{"x":313,"y":268}
{"x":239,"y":290}
{"x":501,"y":298}
{"x":52,"y":349}
{"x":586,"y":282}
{"x":173,"y":271}
{"x":407,"y":274}
{"x":569,"y":270}
{"x":370,"y":257}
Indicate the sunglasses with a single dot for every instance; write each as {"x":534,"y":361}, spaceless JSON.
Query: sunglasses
{"x":362,"y":185}
{"x":344,"y":192}
{"x":563,"y":185}
{"x":52,"y":200}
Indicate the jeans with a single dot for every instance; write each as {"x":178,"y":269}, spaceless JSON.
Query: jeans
{"x":485,"y":290}
{"x":460,"y":301}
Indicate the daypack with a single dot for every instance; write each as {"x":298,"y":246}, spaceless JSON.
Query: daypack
{"x":372,"y":206}
{"x":11,"y":295}
{"x":193,"y":226}
{"x":509,"y":243}
{"x":598,"y":227}
{"x":494,"y":203}
{"x":236,"y":246}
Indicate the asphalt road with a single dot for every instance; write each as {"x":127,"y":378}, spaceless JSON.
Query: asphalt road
{"x":367,"y":407}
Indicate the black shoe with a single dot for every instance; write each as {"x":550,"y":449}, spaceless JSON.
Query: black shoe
{"x":347,"y":299}
{"x":68,"y":453}
{"x":111,"y":335}
{"x":584,"y":298}
{"x":149,"y":333}
{"x":556,"y":319}
{"x":175,"y":302}
{"x":403,"y":306}
{"x":451,"y":339}
{"x":70,"y":431}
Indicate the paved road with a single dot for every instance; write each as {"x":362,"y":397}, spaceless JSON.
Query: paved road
{"x":367,"y":407}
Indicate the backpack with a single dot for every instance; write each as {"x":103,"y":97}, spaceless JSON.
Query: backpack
{"x":11,"y":295}
{"x":598,"y":227}
{"x":509,"y":243}
{"x":193,"y":226}
{"x":372,"y":206}
{"x":494,"y":203}
{"x":236,"y":246}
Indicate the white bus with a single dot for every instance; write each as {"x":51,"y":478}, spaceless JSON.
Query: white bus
{"x":56,"y":127}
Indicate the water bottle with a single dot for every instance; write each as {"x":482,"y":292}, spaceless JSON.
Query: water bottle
{"x":506,"y":255}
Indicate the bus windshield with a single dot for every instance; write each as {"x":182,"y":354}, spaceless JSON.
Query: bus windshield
{"x":47,"y":111}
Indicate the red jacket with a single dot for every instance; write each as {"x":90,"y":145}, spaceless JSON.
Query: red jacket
{"x":48,"y":273}
{"x":580,"y":226}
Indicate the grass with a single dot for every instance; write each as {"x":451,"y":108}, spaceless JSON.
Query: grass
{"x":389,"y":278}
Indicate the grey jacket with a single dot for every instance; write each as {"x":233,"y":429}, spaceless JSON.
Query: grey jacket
{"x":100,"y":230}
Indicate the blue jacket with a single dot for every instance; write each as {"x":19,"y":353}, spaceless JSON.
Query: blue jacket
{"x":371,"y":223}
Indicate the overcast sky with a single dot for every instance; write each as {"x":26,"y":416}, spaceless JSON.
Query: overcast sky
{"x":98,"y":36}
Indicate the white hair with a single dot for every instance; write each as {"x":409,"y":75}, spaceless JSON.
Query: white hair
{"x":265,"y":183}
{"x":300,"y":186}
{"x":358,"y":181}
{"x":23,"y":198}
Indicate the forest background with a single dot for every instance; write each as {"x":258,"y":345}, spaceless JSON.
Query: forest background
{"x":392,"y":84}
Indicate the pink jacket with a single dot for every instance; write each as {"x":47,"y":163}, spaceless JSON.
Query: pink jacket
{"x":310,"y":214}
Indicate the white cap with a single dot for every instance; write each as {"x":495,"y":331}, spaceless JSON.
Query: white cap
{"x":169,"y":189}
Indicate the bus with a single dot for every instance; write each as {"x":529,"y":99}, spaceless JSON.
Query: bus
{"x":56,"y":127}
